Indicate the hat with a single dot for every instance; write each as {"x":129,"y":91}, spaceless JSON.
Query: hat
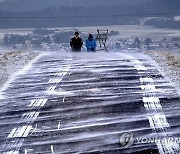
{"x":76,"y":33}
{"x":90,"y":36}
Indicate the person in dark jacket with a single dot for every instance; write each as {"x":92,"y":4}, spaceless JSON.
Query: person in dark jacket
{"x":91,"y":43}
{"x":76,"y":42}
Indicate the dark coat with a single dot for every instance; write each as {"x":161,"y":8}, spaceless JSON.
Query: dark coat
{"x":76,"y":44}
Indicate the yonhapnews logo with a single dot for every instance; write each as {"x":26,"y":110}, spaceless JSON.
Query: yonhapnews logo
{"x":126,"y":140}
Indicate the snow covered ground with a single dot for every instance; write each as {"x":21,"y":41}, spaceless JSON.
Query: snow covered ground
{"x":177,"y":18}
{"x":169,"y":63}
{"x":13,"y":61}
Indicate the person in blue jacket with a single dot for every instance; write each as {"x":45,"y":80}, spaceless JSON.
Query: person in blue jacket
{"x":91,"y":43}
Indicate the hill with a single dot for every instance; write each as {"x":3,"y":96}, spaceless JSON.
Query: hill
{"x":29,"y":5}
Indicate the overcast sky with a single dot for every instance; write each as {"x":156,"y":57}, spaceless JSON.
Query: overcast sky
{"x":94,"y":1}
{"x":27,"y":5}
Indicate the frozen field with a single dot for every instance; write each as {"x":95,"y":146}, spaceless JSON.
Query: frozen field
{"x":126,"y":31}
{"x":11,"y":62}
{"x":169,"y":63}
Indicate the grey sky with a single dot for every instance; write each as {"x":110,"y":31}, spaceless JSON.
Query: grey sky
{"x":78,"y":2}
{"x":28,"y":5}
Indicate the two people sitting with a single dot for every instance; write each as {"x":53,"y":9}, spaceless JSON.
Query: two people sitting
{"x":76,"y":43}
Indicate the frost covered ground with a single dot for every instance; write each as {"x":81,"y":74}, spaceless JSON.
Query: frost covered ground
{"x":169,"y":62}
{"x":13,"y":61}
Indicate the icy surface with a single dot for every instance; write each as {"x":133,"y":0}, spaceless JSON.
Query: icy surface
{"x":83,"y":102}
